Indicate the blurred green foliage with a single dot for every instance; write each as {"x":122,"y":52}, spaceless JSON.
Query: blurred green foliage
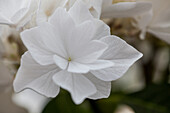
{"x":64,"y":104}
{"x":152,"y":99}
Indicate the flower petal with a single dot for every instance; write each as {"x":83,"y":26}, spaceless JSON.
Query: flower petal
{"x":96,"y":8}
{"x":103,"y":88}
{"x":33,"y":40}
{"x":19,"y":15}
{"x":101,"y":29}
{"x":33,"y":76}
{"x":80,"y":37}
{"x":91,"y":52}
{"x":121,"y":54}
{"x":47,"y":8}
{"x":100,"y":64}
{"x":14,"y":10}
{"x":4,"y":20}
{"x":80,"y":12}
{"x":53,"y":39}
{"x":163,"y":35}
{"x":78,"y":85}
{"x":142,"y":21}
{"x":125,"y":9}
{"x":61,"y":62}
{"x":62,"y":22}
{"x":75,"y":67}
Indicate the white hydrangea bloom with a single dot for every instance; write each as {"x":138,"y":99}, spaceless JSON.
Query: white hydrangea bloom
{"x":73,"y":51}
{"x":47,"y":8}
{"x":156,"y":21}
{"x":124,"y":8}
{"x":17,"y":13}
{"x":98,"y":8}
{"x":94,"y":6}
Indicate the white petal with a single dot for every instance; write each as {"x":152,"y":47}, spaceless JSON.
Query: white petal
{"x":76,"y":67}
{"x":53,"y":39}
{"x":165,"y":36}
{"x":125,"y":9}
{"x":80,"y":12}
{"x":144,"y":19}
{"x":47,"y":8}
{"x":41,"y":17}
{"x":33,"y":41}
{"x":100,"y":64}
{"x":103,"y":88}
{"x":14,"y":10}
{"x":101,"y":29}
{"x":4,"y":20}
{"x":161,"y":14}
{"x":61,"y":62}
{"x":80,"y":37}
{"x":91,"y":52}
{"x":62,"y":22}
{"x":33,"y":76}
{"x":96,"y":8}
{"x":19,"y":15}
{"x":121,"y":54}
{"x":79,"y":86}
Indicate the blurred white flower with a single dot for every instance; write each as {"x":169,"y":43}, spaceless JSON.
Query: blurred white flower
{"x":106,"y":8}
{"x":114,"y":8}
{"x":124,"y":8}
{"x":94,"y":6}
{"x":156,"y":21}
{"x":73,"y":51}
{"x":7,"y":105}
{"x":30,"y":100}
{"x":6,"y":80}
{"x":17,"y":13}
{"x":47,"y":8}
{"x":124,"y":109}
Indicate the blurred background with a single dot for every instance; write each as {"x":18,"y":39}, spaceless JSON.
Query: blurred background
{"x":144,"y":88}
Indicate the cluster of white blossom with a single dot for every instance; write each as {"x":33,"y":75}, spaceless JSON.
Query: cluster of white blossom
{"x":70,"y":47}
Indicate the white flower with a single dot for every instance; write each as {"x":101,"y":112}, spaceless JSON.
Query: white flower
{"x":31,"y":101}
{"x":114,"y":8}
{"x":6,"y":100}
{"x":73,"y":51}
{"x":47,"y":8}
{"x":124,"y":8}
{"x":156,"y":21}
{"x":16,"y":13}
{"x":98,"y":8}
{"x":94,"y":6}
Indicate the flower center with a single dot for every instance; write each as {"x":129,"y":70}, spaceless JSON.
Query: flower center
{"x":69,"y":59}
{"x":118,"y":1}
